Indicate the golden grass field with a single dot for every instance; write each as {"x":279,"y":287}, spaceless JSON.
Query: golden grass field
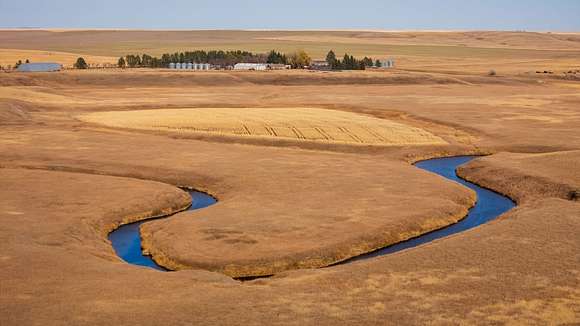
{"x":84,"y":151}
{"x":303,"y":124}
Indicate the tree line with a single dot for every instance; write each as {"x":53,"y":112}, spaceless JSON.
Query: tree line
{"x":298,"y":59}
{"x":349,"y":62}
{"x":214,"y":57}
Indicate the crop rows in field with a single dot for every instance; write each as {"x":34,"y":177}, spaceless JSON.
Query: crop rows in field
{"x":302,"y":124}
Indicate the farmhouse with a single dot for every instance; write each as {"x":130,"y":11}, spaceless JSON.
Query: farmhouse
{"x":39,"y":67}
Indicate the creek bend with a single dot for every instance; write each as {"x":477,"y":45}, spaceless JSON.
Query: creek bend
{"x":126,"y":239}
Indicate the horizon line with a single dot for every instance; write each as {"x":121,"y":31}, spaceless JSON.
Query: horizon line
{"x":370,"y":30}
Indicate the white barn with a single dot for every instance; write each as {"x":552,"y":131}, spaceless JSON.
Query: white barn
{"x":251,"y":66}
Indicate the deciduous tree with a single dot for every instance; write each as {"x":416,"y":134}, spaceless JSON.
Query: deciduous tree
{"x":300,"y":59}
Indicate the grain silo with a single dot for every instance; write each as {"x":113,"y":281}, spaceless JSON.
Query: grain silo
{"x":389,"y":63}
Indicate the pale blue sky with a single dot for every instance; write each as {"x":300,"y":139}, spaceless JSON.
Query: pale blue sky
{"x":534,"y":15}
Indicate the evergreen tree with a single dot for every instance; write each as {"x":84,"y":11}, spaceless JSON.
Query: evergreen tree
{"x":346,"y":64}
{"x":368,"y":61}
{"x":331,"y":60}
{"x":378,"y":63}
{"x":81,"y":63}
{"x":276,"y":57}
{"x":133,"y":60}
{"x":121,"y":63}
{"x":353,"y":63}
{"x":146,"y":60}
{"x":165,"y":60}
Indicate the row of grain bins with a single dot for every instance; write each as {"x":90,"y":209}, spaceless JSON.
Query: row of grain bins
{"x":190,"y":66}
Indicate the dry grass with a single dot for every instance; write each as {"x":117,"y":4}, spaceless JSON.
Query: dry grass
{"x":303,"y":124}
{"x":285,"y":204}
{"x":11,"y":56}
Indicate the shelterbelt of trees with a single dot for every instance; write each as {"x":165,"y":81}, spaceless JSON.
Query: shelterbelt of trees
{"x":298,"y":59}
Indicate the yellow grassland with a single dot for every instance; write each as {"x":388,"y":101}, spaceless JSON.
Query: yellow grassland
{"x":303,"y":124}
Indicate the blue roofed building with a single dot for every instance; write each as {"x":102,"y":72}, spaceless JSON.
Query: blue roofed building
{"x":39,"y":66}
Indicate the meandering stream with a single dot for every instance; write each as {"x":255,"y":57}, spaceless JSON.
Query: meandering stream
{"x":489,"y":206}
{"x":126,"y":239}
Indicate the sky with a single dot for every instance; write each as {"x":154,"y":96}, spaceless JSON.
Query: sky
{"x":529,"y":15}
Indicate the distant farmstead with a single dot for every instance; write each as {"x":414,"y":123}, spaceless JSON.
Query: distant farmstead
{"x":39,"y":67}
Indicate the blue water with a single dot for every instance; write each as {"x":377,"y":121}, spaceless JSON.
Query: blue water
{"x":126,"y":239}
{"x":489,"y":206}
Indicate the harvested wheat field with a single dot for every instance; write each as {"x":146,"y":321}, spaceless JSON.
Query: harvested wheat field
{"x":302,"y":124}
{"x":309,"y":169}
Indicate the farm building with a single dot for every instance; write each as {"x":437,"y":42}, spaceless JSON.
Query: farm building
{"x":386,"y":64}
{"x":260,"y":66}
{"x":319,"y":65}
{"x":278,"y":66}
{"x":250,"y":66}
{"x":39,"y":67}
